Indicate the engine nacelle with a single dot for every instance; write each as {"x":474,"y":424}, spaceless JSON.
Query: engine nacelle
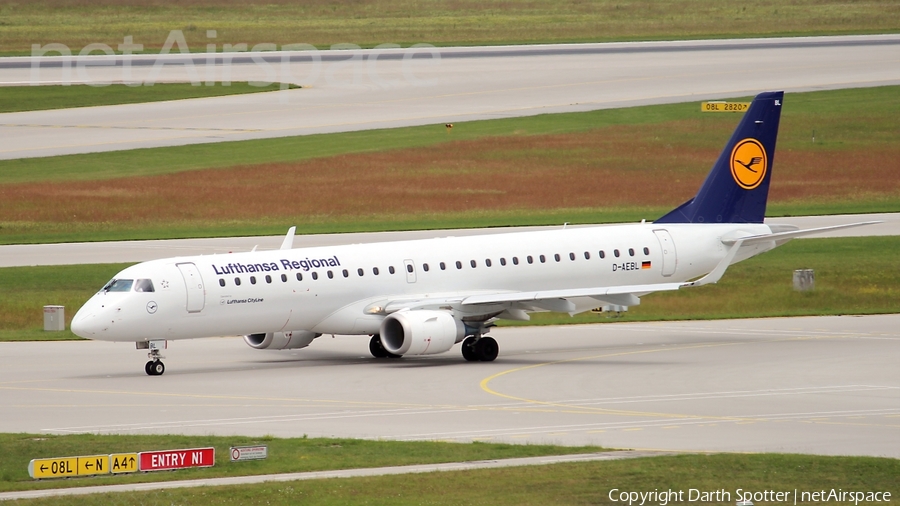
{"x":281,"y":340}
{"x":421,"y":332}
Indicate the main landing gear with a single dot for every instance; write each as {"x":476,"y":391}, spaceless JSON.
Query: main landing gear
{"x":154,"y":367}
{"x":377,"y":349}
{"x":480,"y":349}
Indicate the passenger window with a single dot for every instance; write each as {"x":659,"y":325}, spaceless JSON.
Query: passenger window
{"x":268,"y":278}
{"x":487,"y":262}
{"x":391,"y":269}
{"x":458,"y":264}
{"x":543,"y":258}
{"x":315,"y":275}
{"x":221,"y":282}
{"x":409,"y":268}
{"x":345,"y":273}
{"x":252,"y":280}
{"x":375,"y":270}
{"x":284,"y":278}
{"x":330,"y":275}
{"x":443,"y":266}
{"x":143,"y":285}
{"x":572,"y":256}
{"x":299,"y":277}
{"x":502,"y":261}
{"x":616,"y":253}
{"x":646,"y":250}
{"x":473,"y":264}
{"x":119,"y":285}
{"x":602,"y":254}
{"x":587,"y":255}
{"x":425,"y":267}
{"x":631,"y":252}
{"x":360,"y":272}
{"x":530,"y":259}
{"x":515,"y":260}
{"x":237,"y":281}
{"x":556,"y":256}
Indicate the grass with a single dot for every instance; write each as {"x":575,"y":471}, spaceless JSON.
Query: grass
{"x":581,"y":483}
{"x":39,"y":98}
{"x":464,"y":22}
{"x":853,"y":276}
{"x":285,"y":455}
{"x":602,"y":166}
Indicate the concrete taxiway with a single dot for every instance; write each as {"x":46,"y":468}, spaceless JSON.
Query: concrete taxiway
{"x":821,"y":385}
{"x":141,"y":251}
{"x":349,"y":90}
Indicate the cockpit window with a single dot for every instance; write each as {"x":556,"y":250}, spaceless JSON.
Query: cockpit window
{"x":119,"y":285}
{"x":143,"y":285}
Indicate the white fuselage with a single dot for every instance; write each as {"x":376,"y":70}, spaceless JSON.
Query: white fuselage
{"x":334,"y":289}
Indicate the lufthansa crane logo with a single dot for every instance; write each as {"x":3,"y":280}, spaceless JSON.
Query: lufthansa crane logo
{"x":749,"y":163}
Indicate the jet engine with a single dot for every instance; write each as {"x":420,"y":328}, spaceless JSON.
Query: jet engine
{"x":420,"y":332}
{"x":281,"y":340}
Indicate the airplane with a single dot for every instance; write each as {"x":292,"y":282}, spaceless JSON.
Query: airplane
{"x":422,"y":297}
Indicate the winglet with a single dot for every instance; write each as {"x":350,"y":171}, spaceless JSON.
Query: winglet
{"x":716,"y":274}
{"x":288,"y":242}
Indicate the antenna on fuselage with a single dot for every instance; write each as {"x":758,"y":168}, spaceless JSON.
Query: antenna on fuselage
{"x":288,"y":242}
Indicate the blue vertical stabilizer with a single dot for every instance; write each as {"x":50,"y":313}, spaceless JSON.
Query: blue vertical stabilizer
{"x":736,"y":189}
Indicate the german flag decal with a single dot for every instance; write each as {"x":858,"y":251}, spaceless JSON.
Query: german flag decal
{"x":645,"y":264}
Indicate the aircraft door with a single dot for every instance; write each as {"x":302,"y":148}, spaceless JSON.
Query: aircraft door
{"x":669,"y":256}
{"x":196,"y":294}
{"x":410,"y":267}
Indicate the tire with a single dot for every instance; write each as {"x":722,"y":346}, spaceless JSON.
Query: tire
{"x":376,"y":348}
{"x":157,"y":368}
{"x":147,"y":368}
{"x":468,"y":350}
{"x":487,"y":349}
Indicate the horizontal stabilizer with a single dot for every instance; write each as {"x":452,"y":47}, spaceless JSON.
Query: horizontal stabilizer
{"x":753,"y":239}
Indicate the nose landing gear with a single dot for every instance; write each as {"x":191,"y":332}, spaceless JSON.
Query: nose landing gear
{"x":154,"y":367}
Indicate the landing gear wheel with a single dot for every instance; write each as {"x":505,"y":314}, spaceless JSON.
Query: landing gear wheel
{"x":468,"y":349}
{"x":155,"y":368}
{"x":377,"y":349}
{"x":486,"y":349}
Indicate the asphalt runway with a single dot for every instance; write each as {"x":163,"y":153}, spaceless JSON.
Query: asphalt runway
{"x":349,"y":90}
{"x":141,"y":251}
{"x":820,"y":385}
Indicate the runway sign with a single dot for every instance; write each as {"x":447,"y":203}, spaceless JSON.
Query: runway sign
{"x":239,"y":453}
{"x":724,"y":106}
{"x":176,"y":459}
{"x":123,"y":463}
{"x":63,"y":467}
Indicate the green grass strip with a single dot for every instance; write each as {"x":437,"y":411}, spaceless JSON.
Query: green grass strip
{"x":285,"y":455}
{"x":855,"y":275}
{"x":843,"y":118}
{"x":39,"y":98}
{"x":723,"y":478}
{"x":441,"y":23}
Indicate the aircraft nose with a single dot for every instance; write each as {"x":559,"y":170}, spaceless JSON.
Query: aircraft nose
{"x":83,"y":323}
